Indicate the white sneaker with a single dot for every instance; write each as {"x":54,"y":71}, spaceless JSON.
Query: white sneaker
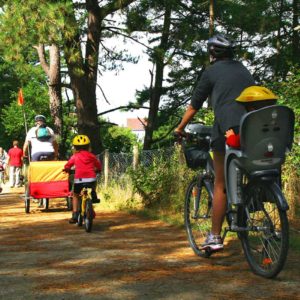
{"x":213,"y":242}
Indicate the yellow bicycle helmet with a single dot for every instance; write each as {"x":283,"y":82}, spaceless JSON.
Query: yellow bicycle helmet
{"x":256,"y":93}
{"x":81,"y":140}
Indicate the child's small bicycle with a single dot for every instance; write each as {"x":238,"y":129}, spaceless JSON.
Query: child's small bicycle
{"x":86,"y":209}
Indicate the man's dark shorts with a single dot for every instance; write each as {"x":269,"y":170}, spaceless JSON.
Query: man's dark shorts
{"x":217,"y":139}
{"x":45,"y":155}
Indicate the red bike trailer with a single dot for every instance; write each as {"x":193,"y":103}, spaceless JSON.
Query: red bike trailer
{"x":46,"y":180}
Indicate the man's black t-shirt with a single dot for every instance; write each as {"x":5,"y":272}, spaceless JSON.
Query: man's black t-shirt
{"x":223,"y":82}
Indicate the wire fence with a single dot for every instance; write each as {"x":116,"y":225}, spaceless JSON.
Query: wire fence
{"x":116,"y":164}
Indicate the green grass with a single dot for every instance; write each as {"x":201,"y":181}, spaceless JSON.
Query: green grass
{"x":116,"y":197}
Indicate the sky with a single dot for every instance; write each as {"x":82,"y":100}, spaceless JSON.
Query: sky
{"x":120,"y":88}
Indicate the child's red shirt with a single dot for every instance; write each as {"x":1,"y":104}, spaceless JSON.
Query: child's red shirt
{"x":86,"y":165}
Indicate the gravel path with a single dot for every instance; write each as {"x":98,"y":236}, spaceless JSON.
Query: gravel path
{"x":124,"y":257}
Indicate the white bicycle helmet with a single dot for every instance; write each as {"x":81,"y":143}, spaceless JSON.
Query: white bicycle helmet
{"x":219,"y":46}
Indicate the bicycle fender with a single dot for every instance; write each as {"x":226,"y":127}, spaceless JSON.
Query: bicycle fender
{"x":283,"y":205}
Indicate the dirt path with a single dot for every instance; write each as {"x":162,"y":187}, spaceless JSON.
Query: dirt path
{"x":125,"y":257}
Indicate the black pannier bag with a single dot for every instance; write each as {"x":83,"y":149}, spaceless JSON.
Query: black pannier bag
{"x":196,"y":150}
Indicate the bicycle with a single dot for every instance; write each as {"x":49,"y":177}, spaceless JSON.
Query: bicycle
{"x":256,"y":206}
{"x":86,"y":209}
{"x":2,"y":175}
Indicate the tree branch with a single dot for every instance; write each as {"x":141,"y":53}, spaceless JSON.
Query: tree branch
{"x":103,"y":94}
{"x":122,"y":107}
{"x":114,"y":6}
{"x":164,"y":136}
{"x":127,"y":36}
{"x":42,"y":58}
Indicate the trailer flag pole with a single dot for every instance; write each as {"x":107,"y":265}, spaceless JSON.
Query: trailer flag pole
{"x":21,"y":103}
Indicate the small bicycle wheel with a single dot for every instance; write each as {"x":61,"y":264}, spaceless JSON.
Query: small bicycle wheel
{"x":88,"y":216}
{"x":197,"y":215}
{"x":27,"y":205}
{"x":80,"y":219}
{"x":265,"y":243}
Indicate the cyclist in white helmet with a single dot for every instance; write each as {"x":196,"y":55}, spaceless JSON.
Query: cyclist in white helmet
{"x":222,"y":82}
{"x":42,"y":141}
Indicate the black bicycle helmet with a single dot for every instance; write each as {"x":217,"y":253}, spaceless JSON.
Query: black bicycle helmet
{"x":219,"y":46}
{"x":40,"y":118}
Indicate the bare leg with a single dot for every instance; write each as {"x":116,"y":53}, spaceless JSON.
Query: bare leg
{"x":219,"y":201}
{"x":75,"y":202}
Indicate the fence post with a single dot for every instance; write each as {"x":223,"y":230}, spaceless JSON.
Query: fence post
{"x":135,"y":157}
{"x":178,"y":147}
{"x":106,"y":167}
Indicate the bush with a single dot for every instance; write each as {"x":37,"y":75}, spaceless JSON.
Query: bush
{"x":162,"y":184}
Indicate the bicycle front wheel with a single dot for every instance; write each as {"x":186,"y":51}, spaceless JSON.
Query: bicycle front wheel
{"x":265,"y":243}
{"x":89,"y":215}
{"x":197,"y":215}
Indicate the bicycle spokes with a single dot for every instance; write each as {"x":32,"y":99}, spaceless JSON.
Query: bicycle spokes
{"x":197,"y":216}
{"x":265,"y":242}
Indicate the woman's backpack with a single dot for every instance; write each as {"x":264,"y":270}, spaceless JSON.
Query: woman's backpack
{"x":43,"y":133}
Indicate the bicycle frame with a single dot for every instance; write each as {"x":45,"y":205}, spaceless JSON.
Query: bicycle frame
{"x":84,"y":196}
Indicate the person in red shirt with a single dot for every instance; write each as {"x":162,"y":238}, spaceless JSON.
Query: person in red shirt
{"x":253,"y":98}
{"x":86,"y":166}
{"x":15,"y":162}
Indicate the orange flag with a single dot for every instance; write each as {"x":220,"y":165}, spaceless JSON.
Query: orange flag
{"x":20,"y":98}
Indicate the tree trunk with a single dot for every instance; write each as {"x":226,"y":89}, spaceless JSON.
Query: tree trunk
{"x":278,"y":41}
{"x":83,"y":73}
{"x":295,"y":37}
{"x":55,"y":88}
{"x":156,"y":91}
{"x":52,"y":70}
{"x":211,"y":18}
{"x":86,"y":109}
{"x":83,"y":76}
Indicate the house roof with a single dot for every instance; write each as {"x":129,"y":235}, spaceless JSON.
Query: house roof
{"x":136,"y":124}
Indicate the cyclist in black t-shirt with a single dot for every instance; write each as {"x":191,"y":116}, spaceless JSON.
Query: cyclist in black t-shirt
{"x":222,"y":81}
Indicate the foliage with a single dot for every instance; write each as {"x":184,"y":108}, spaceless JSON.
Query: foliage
{"x":9,"y":81}
{"x":36,"y":102}
{"x":162,"y":184}
{"x":289,"y":92}
{"x":39,"y":21}
{"x":117,"y":139}
{"x":263,"y":30}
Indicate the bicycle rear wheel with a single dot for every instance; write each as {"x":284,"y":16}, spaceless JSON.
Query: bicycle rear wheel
{"x":266,"y":241}
{"x":88,"y":216}
{"x":197,"y":215}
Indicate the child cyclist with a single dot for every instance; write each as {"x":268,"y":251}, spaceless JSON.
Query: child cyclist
{"x":253,"y":98}
{"x":86,"y":166}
